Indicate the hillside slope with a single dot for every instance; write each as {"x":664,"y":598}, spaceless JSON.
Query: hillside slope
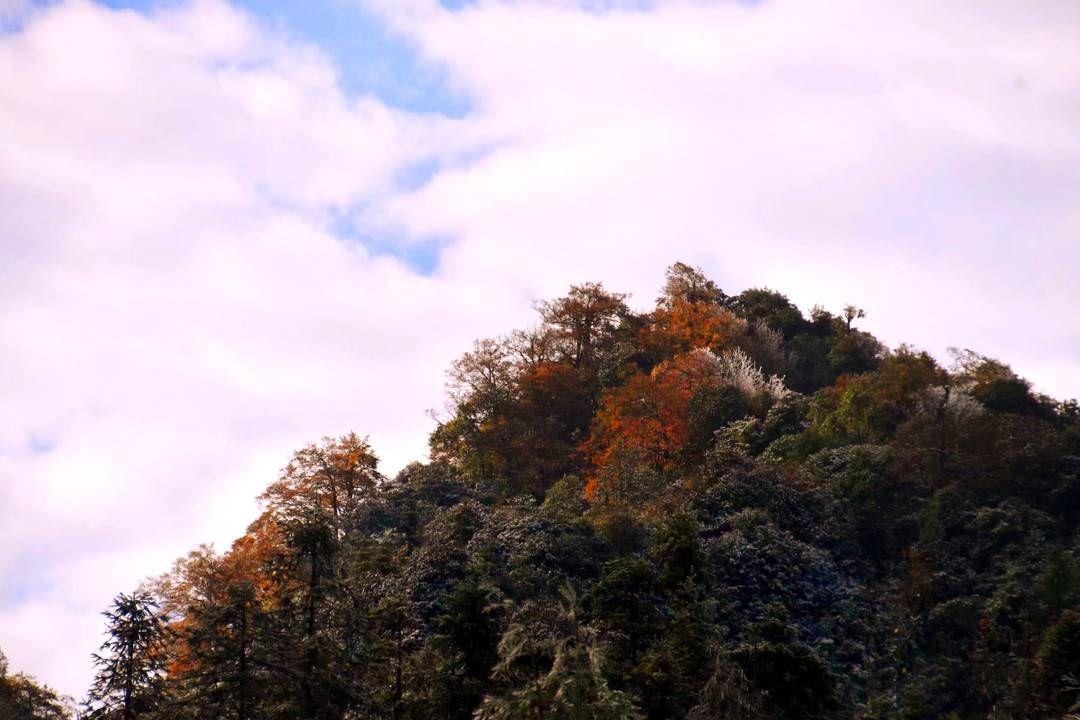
{"x":718,"y":509}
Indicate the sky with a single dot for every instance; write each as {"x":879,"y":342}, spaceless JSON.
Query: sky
{"x":232,"y":228}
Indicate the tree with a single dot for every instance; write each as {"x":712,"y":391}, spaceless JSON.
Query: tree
{"x":217,"y":607}
{"x":995,"y":385}
{"x":793,"y":680}
{"x":584,"y":321}
{"x":483,"y":391}
{"x":870,"y":407}
{"x":675,"y":669}
{"x":391,"y":622}
{"x":852,"y":313}
{"x":689,"y":284}
{"x":481,"y":382}
{"x":310,"y":650}
{"x":317,"y":505}
{"x":519,"y":422}
{"x":23,"y":698}
{"x":728,"y":695}
{"x":771,"y":307}
{"x":624,"y":605}
{"x":650,"y":420}
{"x":1059,"y":657}
{"x":132,"y":667}
{"x":681,"y":325}
{"x":572,"y":687}
{"x":467,"y":638}
{"x":330,"y":479}
{"x":555,"y":405}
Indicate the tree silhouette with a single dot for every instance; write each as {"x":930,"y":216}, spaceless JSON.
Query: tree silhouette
{"x":131,"y":667}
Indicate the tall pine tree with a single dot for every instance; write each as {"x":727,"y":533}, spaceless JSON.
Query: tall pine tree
{"x":131,"y":666}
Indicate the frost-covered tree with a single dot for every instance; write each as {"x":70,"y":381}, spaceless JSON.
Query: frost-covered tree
{"x":573,"y":687}
{"x":683,"y":282}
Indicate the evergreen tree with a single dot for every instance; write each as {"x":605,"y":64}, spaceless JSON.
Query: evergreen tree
{"x":557,"y":674}
{"x":131,"y":668}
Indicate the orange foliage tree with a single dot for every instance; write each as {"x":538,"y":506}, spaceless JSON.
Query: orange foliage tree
{"x":681,"y":325}
{"x":216,"y":603}
{"x":328,"y":479}
{"x":645,"y":421}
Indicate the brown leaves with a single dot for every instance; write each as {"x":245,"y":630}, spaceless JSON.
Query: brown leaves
{"x":682,"y":325}
{"x":329,"y":479}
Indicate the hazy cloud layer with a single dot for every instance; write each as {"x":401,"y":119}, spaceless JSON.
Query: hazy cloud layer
{"x":197,"y":271}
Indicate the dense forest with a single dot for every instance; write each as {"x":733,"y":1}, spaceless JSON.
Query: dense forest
{"x":718,"y":509}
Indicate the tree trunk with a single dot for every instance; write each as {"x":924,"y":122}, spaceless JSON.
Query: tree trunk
{"x":242,"y":709}
{"x":129,"y":713}
{"x":397,"y":670}
{"x":309,"y":661}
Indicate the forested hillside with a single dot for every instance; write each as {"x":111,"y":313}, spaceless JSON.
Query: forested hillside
{"x":719,"y":509}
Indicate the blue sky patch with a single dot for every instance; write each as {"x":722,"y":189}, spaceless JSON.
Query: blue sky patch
{"x":371,"y":59}
{"x":420,"y":255}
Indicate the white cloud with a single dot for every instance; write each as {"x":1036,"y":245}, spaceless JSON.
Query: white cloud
{"x":918,"y":159}
{"x":178,"y":316}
